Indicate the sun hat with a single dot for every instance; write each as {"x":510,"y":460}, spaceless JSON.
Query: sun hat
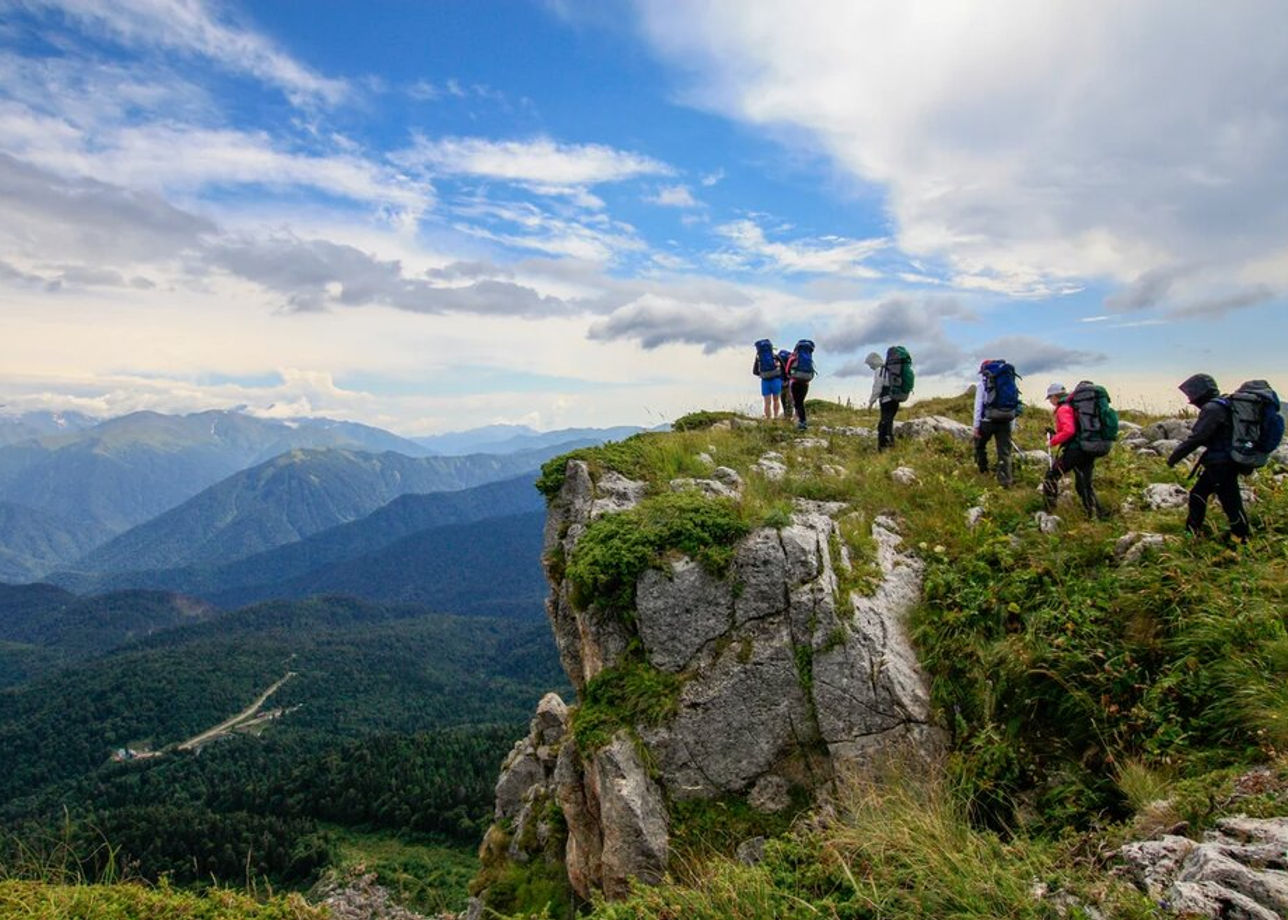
{"x":1056,"y":389}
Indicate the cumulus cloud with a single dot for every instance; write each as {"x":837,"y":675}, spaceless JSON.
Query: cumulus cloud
{"x":43,"y":212}
{"x":1032,"y":355}
{"x":191,"y":27}
{"x":824,"y":255}
{"x":654,"y":321}
{"x":541,"y":161}
{"x":673,"y":196}
{"x":315,"y":274}
{"x":896,"y":320}
{"x":1025,"y":147}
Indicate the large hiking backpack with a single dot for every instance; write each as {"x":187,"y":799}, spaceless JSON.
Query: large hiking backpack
{"x":767,"y":367}
{"x":899,"y":377}
{"x":1096,"y":419}
{"x":1001,"y":392}
{"x":1258,"y":426}
{"x":803,"y":366}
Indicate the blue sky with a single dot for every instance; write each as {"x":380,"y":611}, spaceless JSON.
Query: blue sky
{"x":433,"y":215}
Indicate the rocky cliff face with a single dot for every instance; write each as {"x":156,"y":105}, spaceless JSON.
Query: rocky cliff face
{"x":760,"y":680}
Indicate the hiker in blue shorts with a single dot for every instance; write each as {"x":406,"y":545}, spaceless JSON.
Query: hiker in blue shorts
{"x":769,"y":369}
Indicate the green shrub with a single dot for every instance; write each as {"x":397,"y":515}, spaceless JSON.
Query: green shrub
{"x":616,"y":549}
{"x":632,"y":694}
{"x":699,"y":421}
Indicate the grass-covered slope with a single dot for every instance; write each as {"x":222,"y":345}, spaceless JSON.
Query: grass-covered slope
{"x":1076,"y":690}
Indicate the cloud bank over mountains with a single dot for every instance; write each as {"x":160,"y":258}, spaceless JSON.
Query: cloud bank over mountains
{"x":204,"y":206}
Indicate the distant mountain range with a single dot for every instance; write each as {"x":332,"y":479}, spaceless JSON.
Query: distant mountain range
{"x":152,"y":491}
{"x":291,"y":497}
{"x":505,"y":439}
{"x":460,"y":562}
{"x":124,"y":471}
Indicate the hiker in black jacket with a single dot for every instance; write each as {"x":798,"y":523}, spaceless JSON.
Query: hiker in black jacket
{"x":1214,"y":430}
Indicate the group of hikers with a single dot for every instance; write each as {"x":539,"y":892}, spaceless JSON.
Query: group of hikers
{"x":1237,"y":432}
{"x":784,"y":379}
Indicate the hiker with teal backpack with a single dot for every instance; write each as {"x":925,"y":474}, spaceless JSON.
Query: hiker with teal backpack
{"x":892,"y":383}
{"x":1239,"y":433}
{"x":799,"y":372}
{"x":769,"y":369}
{"x":1086,"y":426}
{"x":997,"y":403}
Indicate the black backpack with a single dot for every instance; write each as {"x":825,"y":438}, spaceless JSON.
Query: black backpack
{"x":1256,"y":422}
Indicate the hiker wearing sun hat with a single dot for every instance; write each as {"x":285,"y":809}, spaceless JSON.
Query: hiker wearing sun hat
{"x":1080,"y":444}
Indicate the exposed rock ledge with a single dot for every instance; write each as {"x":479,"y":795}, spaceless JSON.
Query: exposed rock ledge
{"x":784,"y":684}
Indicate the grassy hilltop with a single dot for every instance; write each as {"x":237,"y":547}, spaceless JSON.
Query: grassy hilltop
{"x":1088,"y":702}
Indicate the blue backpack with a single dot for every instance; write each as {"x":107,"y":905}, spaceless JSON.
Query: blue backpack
{"x":1256,"y":422}
{"x":1001,"y":392}
{"x":767,"y":367}
{"x":803,"y":369}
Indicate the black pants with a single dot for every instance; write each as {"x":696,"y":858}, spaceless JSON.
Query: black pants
{"x":1221,"y":477}
{"x":885,"y":428}
{"x":1001,"y":432}
{"x":1083,"y":466}
{"x":800,"y":389}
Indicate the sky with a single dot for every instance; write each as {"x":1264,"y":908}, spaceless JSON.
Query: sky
{"x":430,"y":215}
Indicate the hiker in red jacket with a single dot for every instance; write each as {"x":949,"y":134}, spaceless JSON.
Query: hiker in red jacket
{"x":1071,"y":457}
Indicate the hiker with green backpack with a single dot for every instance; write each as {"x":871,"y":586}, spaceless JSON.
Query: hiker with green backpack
{"x":892,"y":383}
{"x":1086,"y":427}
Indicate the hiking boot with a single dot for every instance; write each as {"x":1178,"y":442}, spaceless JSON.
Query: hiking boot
{"x":801,"y":426}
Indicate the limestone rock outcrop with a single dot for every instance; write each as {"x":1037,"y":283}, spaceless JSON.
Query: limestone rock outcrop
{"x":1240,"y":869}
{"x":781,"y":681}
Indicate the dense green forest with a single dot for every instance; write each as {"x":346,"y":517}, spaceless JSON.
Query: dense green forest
{"x":394,"y":724}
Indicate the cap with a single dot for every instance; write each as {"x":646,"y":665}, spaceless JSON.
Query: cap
{"x":1056,"y":389}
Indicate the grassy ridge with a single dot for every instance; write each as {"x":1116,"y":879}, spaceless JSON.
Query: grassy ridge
{"x":1075,"y":689}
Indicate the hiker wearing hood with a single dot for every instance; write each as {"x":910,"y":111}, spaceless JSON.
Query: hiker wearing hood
{"x":1214,"y":431}
{"x":881,"y":394}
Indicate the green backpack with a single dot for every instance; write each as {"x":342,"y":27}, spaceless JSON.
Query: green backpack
{"x":1096,"y":419}
{"x":898,"y":373}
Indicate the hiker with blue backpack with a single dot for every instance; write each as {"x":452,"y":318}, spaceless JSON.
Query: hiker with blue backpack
{"x":769,"y":369}
{"x":1238,"y":432}
{"x":997,"y":403}
{"x":1086,"y":426}
{"x":799,"y":372}
{"x":892,"y":383}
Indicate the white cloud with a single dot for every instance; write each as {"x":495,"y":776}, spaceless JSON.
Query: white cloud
{"x":191,"y":27}
{"x":1025,"y":145}
{"x":827,"y":255}
{"x":673,"y":196}
{"x":541,"y":161}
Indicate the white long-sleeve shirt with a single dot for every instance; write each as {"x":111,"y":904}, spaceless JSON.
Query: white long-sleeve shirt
{"x":980,"y":387}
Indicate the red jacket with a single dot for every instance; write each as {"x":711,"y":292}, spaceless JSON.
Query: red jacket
{"x":1066,"y":426}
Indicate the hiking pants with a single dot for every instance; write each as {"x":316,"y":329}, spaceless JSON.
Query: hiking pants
{"x":800,"y":388}
{"x":788,"y":408}
{"x":885,"y":428}
{"x":1083,"y":465}
{"x":1221,"y":477}
{"x":1001,"y":431}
